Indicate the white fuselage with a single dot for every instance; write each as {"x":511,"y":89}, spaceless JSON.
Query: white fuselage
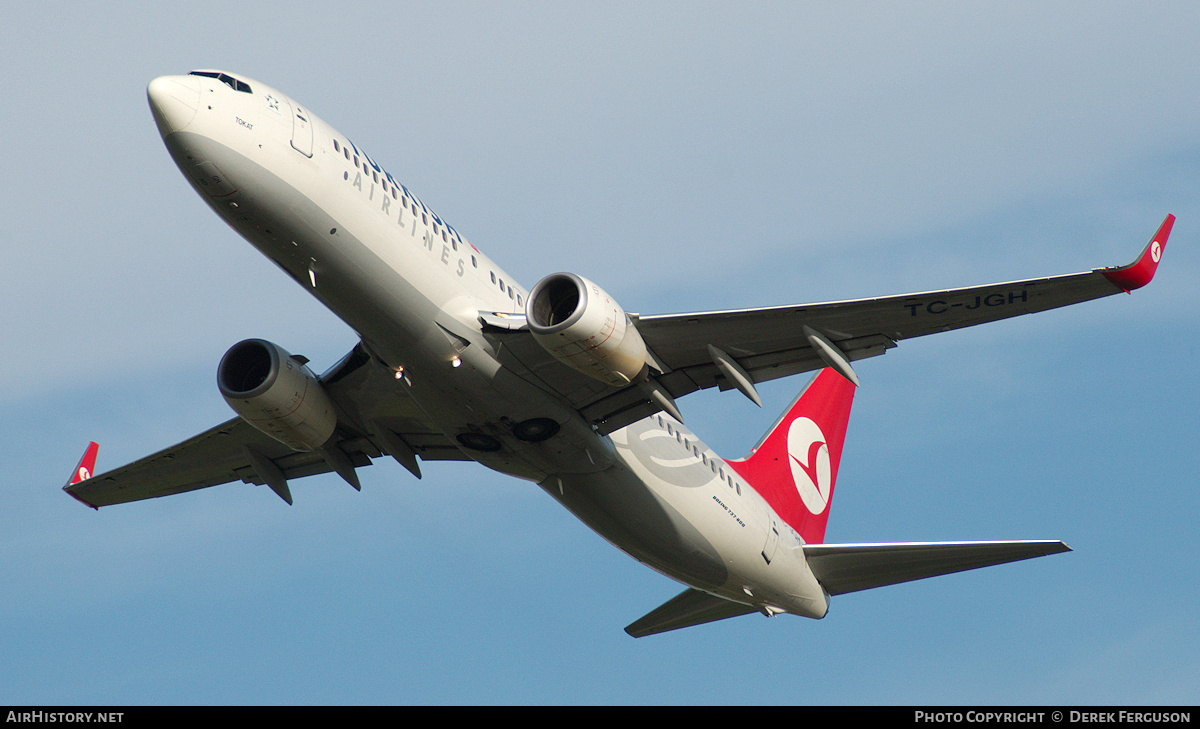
{"x":412,"y":288}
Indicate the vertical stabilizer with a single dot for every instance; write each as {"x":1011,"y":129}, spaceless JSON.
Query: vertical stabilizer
{"x":795,"y":466}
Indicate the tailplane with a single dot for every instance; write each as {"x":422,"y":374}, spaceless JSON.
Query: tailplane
{"x":842,"y":568}
{"x":795,"y":465}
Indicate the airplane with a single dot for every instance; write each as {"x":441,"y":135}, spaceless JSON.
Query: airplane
{"x":557,"y":384}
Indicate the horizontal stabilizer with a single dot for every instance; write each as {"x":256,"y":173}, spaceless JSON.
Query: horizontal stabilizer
{"x":842,"y":568}
{"x":688,"y":608}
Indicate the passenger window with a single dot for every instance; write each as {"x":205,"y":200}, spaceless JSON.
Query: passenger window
{"x":336,"y":148}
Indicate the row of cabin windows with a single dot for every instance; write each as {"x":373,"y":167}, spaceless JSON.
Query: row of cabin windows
{"x":511,"y":294}
{"x":452,"y":240}
{"x":703,"y":456}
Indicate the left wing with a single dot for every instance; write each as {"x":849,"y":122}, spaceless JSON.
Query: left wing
{"x":726,"y":349}
{"x":379,"y":420}
{"x":214,"y":457}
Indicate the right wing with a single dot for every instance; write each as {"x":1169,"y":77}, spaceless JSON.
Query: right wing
{"x":384,"y":422}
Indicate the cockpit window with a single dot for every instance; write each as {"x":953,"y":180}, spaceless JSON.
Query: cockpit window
{"x":226,"y":79}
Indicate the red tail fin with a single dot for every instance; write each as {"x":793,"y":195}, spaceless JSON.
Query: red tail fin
{"x":795,"y":466}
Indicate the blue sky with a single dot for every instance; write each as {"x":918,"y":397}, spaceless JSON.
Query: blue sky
{"x":686,"y":157}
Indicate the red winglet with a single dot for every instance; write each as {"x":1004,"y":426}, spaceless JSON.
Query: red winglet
{"x":1140,"y":272}
{"x":84,"y":471}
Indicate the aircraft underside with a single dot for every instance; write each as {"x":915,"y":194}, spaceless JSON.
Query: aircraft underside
{"x":557,"y":385}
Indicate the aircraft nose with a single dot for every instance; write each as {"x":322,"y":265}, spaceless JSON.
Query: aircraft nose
{"x":173,"y":100}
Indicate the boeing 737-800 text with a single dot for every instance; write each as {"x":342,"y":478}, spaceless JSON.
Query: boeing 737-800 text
{"x":557,"y":385}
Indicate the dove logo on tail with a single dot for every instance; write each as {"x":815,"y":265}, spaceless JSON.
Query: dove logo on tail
{"x":811,"y":471}
{"x":795,"y":466}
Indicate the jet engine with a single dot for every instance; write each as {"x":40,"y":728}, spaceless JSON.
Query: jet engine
{"x":583,"y":327}
{"x":277,"y":394}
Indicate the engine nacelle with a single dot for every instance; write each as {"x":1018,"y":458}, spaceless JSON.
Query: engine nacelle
{"x":276,"y":394}
{"x":583,"y":327}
